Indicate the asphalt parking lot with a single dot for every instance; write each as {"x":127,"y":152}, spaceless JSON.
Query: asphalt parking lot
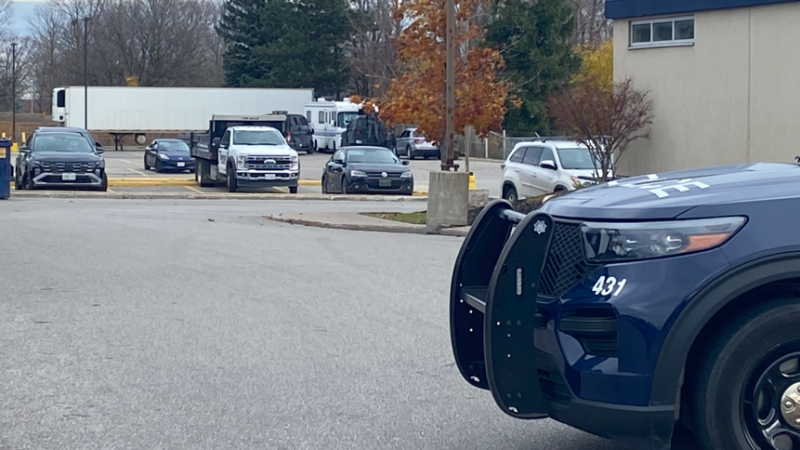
{"x":193,"y":324}
{"x":129,"y":164}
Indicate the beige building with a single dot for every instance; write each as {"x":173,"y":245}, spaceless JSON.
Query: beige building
{"x":723,"y":76}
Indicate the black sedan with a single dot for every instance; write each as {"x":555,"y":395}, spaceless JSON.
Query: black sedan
{"x":168,"y":155}
{"x":365,"y":169}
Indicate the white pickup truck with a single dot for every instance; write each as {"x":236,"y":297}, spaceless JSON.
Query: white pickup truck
{"x":246,"y":151}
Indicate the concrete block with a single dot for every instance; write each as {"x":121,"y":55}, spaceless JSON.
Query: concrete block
{"x":448,"y":200}
{"x":478,"y":199}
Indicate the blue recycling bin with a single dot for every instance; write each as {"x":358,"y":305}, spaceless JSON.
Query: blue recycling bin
{"x":5,"y":169}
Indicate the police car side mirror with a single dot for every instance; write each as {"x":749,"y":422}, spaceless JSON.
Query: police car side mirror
{"x":405,"y":162}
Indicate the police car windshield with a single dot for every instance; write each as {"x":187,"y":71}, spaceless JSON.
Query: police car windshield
{"x":257,"y":137}
{"x":371,"y":155}
{"x":65,"y":143}
{"x":575,"y":159}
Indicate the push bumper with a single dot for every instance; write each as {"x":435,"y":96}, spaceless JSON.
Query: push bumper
{"x":267,"y":179}
{"x":503,"y":340}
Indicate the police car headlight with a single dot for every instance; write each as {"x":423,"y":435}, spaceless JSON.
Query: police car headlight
{"x":608,"y":242}
{"x":406,"y":175}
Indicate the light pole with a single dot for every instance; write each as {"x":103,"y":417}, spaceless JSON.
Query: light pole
{"x":450,"y":80}
{"x":86,"y":72}
{"x":14,"y":92}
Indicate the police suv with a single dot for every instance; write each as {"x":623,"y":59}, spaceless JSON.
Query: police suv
{"x":643,"y":306}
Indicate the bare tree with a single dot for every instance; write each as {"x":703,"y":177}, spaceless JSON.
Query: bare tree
{"x":371,"y":49}
{"x":592,"y":26}
{"x":5,"y":14}
{"x":159,"y":42}
{"x":606,"y":121}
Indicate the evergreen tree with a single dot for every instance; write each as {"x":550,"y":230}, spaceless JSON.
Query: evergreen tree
{"x":285,"y":44}
{"x":536,"y":40}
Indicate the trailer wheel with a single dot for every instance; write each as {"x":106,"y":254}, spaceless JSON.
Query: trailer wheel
{"x":748,"y":388}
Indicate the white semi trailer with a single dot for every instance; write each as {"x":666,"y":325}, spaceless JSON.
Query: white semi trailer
{"x":124,"y":111}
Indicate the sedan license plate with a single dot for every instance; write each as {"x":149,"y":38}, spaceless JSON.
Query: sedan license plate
{"x":180,"y":164}
{"x":68,"y":177}
{"x":269,"y":176}
{"x":385,"y":183}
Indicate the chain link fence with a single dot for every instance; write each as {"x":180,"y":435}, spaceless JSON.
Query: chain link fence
{"x":494,"y":146}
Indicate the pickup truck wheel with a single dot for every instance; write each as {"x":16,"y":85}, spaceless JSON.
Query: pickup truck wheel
{"x":747,"y":394}
{"x":18,"y":185}
{"x":293,"y":189}
{"x":324,"y":185}
{"x":231,"y":176}
{"x":344,"y":186}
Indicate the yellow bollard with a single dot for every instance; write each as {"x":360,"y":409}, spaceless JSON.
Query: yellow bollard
{"x":23,"y":137}
{"x":471,"y":181}
{"x":14,"y":147}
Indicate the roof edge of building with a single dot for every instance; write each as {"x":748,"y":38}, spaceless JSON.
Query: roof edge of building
{"x":625,"y":9}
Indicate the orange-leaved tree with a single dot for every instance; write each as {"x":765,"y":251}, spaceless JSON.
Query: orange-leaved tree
{"x":418,"y":96}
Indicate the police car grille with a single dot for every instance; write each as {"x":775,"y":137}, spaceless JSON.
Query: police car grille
{"x":565,"y":264}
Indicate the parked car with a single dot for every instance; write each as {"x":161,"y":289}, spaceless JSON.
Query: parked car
{"x":366,"y":169}
{"x":168,"y":155}
{"x":300,"y":135}
{"x":52,"y":159}
{"x":411,"y":144}
{"x":547,"y":166}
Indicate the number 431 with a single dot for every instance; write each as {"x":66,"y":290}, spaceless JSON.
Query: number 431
{"x":607,"y":285}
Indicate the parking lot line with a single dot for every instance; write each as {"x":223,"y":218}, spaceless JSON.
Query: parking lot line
{"x":192,"y":188}
{"x":140,"y":173}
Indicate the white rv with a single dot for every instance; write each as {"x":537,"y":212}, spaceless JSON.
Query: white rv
{"x":329,"y":120}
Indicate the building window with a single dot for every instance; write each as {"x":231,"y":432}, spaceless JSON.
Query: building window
{"x":662,"y":32}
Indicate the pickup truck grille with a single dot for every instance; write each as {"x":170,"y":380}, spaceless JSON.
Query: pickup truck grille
{"x":565,"y":265}
{"x":67,"y":167}
{"x":269,"y":162}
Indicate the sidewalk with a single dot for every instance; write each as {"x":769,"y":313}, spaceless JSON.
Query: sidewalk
{"x":358,"y":222}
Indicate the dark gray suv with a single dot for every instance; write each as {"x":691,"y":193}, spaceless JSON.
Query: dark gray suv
{"x":299,"y":134}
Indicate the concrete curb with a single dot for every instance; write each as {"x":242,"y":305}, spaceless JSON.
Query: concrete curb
{"x":386,"y":228}
{"x":212,"y":196}
{"x":169,"y":182}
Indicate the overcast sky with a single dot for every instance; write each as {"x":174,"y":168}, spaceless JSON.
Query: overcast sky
{"x":23,"y":9}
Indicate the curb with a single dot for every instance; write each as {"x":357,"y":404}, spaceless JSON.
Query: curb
{"x":167,"y":182}
{"x":387,"y":228}
{"x":212,"y":196}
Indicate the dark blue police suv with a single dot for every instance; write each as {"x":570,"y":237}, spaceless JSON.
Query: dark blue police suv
{"x":642,"y":306}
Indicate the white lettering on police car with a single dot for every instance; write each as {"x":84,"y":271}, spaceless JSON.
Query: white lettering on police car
{"x":680,"y":186}
{"x":606,"y":285}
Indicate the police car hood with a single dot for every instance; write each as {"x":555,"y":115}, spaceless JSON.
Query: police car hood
{"x":667,"y":195}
